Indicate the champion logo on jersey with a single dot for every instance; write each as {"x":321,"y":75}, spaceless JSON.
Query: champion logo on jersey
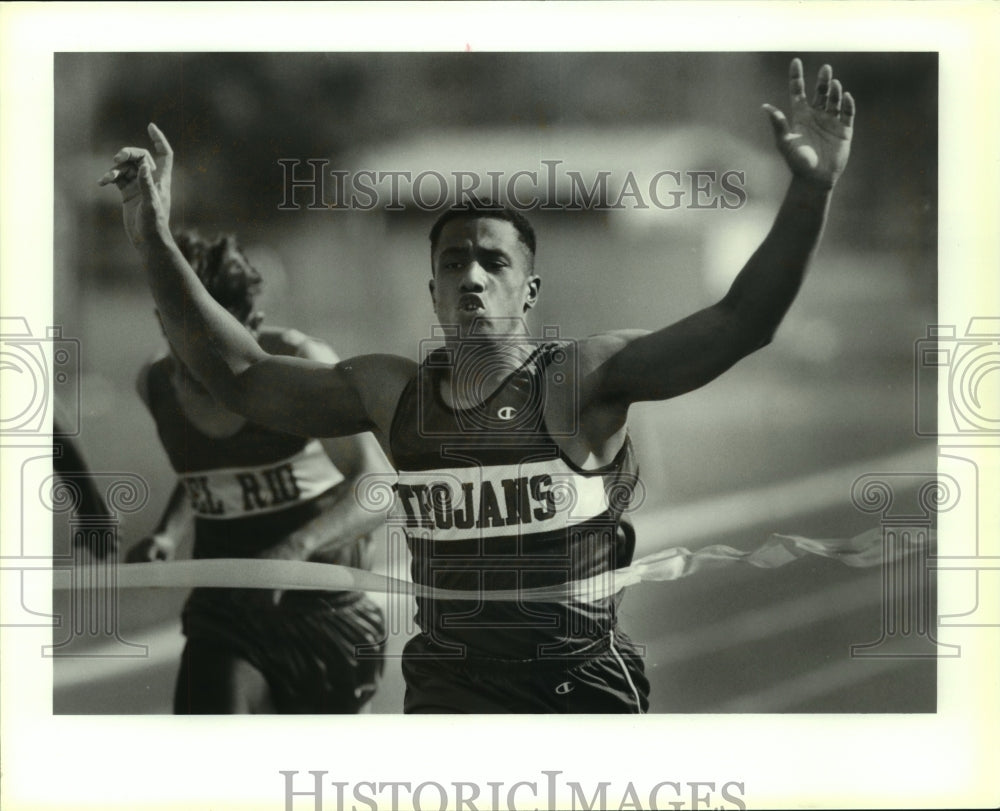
{"x":565,"y":687}
{"x":507,"y":413}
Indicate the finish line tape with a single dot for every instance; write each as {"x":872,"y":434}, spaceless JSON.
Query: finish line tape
{"x":868,"y":549}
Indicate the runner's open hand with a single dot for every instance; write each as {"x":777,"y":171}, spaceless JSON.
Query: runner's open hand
{"x":152,"y":548}
{"x":817,"y":140}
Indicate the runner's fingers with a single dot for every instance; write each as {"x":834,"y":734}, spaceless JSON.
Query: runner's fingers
{"x":847,"y":110}
{"x":779,"y":122}
{"x":796,"y":80}
{"x":160,"y":143}
{"x":121,"y":175}
{"x":133,"y":154}
{"x":823,"y":80}
{"x":126,"y":169}
{"x":115,"y":176}
{"x":166,"y":154}
{"x":833,"y":101}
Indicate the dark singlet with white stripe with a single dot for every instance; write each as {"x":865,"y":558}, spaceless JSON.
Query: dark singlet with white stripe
{"x":489,"y":501}
{"x":246,"y":490}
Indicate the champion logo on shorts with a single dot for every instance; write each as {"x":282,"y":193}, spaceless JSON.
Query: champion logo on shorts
{"x":506,"y":413}
{"x":565,"y":687}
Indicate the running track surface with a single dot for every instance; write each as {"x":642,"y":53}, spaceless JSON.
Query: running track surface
{"x":732,"y":640}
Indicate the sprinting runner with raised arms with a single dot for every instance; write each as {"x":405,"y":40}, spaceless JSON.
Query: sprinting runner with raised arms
{"x":513,"y":454}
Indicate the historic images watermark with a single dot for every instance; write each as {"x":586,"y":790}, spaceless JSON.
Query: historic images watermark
{"x":956,"y":403}
{"x":477,"y":360}
{"x":41,"y":417}
{"x":908,"y":621}
{"x":313,"y":791}
{"x":41,"y":382}
{"x":550,"y":186}
{"x":971,"y":365}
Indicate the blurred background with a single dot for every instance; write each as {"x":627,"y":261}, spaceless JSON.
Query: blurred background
{"x":772,"y":446}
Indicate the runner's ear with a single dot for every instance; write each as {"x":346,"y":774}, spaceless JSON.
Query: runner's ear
{"x":531,"y":296}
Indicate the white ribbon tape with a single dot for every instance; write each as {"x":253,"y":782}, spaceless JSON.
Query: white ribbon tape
{"x":864,"y":550}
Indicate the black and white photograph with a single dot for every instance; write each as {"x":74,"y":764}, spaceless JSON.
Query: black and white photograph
{"x":482,"y":392}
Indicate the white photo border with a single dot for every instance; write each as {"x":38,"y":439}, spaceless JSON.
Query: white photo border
{"x":944,"y":759}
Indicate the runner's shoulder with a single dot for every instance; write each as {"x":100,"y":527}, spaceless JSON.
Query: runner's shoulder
{"x":590,"y":352}
{"x":279,"y":340}
{"x":385,"y":369}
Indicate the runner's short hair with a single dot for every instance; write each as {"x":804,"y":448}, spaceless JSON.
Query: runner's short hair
{"x":224,"y":269}
{"x":474,"y":209}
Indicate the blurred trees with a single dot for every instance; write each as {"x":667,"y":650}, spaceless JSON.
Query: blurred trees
{"x":232,"y":116}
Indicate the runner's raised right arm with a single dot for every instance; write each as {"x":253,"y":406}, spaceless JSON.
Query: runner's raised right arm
{"x":296,"y":395}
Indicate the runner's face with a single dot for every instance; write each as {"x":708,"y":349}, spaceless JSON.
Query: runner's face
{"x":482,"y":277}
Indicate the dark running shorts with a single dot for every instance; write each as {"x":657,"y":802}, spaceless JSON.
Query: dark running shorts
{"x":611,"y":680}
{"x":321,"y":652}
